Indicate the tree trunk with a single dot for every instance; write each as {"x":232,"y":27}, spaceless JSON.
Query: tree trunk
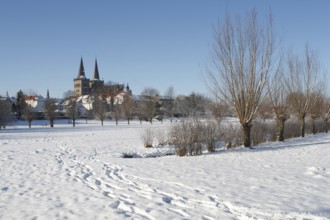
{"x":326,"y":125}
{"x":281,"y":122}
{"x":128,"y":121}
{"x":30,"y":124}
{"x":247,"y":134}
{"x":102,"y":122}
{"x":313,"y":126}
{"x":302,"y":121}
{"x":51,"y":121}
{"x":74,"y":122}
{"x":116,"y":121}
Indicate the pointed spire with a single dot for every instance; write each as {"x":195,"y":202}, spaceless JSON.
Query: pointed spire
{"x":47,"y":96}
{"x":81,"y":73}
{"x":96,"y":72}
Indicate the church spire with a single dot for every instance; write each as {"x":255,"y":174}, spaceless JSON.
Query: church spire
{"x":81,"y":73}
{"x":96,"y":72}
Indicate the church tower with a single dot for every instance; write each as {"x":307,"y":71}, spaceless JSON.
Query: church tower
{"x":81,"y":83}
{"x":96,"y":83}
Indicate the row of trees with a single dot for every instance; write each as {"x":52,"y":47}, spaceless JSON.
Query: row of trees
{"x":151,"y":105}
{"x":21,"y":110}
{"x":148,"y":106}
{"x":248,"y":69}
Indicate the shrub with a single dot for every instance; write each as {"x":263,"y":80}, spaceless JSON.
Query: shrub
{"x":210,"y":134}
{"x":263,"y":131}
{"x":161,"y":136}
{"x":292,"y":128}
{"x":314,"y":126}
{"x":147,"y":135}
{"x":232,"y":135}
{"x":186,"y":138}
{"x":179,"y":139}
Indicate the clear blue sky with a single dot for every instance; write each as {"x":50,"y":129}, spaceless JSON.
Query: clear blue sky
{"x":146,"y":43}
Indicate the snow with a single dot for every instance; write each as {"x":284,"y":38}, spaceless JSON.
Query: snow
{"x":80,"y":173}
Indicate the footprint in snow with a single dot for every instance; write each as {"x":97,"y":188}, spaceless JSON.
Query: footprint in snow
{"x":5,"y":189}
{"x":316,"y":172}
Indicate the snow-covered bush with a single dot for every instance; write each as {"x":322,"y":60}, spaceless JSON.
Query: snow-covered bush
{"x":161,"y":136}
{"x":210,"y":134}
{"x":232,"y":135}
{"x":263,"y":131}
{"x":179,"y":138}
{"x":186,"y":137}
{"x":314,"y":126}
{"x":147,"y":136}
{"x":292,"y":128}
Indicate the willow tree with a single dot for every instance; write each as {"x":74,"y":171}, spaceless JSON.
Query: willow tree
{"x":304,"y":84}
{"x":242,"y":59}
{"x":277,"y":96}
{"x":325,"y":113}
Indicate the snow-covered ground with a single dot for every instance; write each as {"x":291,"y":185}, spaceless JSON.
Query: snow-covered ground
{"x":78,"y":173}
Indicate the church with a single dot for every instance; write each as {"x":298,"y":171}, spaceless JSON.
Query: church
{"x":85,"y":86}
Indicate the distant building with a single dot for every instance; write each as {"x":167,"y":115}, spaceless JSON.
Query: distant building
{"x":85,"y":86}
{"x":37,"y":102}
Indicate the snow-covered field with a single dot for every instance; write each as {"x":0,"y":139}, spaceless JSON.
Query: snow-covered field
{"x":78,"y":173}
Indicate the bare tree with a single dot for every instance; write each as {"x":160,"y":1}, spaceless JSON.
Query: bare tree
{"x":180,"y":107}
{"x":28,"y":114}
{"x":169,"y":94}
{"x":50,"y":110}
{"x":100,"y":105}
{"x":326,"y":113}
{"x":128,"y":107}
{"x":27,"y":111}
{"x":316,"y":110}
{"x":277,"y":97}
{"x":196,"y":105}
{"x":243,"y":57}
{"x":149,"y":103}
{"x":193,"y":106}
{"x":303,"y":84}
{"x":89,"y":107}
{"x":116,"y":112}
{"x":219,"y":110}
{"x":71,"y":108}
{"x":5,"y":113}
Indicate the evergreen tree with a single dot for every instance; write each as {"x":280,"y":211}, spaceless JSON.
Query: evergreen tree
{"x":20,"y":103}
{"x":5,"y":116}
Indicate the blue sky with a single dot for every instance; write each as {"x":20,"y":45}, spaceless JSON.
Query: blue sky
{"x":145,"y":43}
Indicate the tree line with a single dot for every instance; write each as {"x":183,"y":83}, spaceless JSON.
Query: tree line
{"x":148,"y":106}
{"x":250,"y":72}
